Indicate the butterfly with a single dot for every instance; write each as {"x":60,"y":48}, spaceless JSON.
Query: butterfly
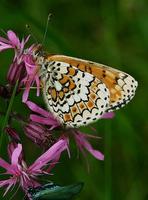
{"x":79,"y":92}
{"x":52,"y":191}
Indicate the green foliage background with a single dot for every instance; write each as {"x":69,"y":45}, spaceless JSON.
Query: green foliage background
{"x":113,"y":32}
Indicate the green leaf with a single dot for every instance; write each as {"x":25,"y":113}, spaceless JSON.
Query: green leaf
{"x":51,"y":191}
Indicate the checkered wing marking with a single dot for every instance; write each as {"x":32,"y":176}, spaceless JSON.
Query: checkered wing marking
{"x":73,"y":96}
{"x":121,"y":85}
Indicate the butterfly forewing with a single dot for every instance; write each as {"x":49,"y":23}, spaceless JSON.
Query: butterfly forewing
{"x":121,"y":85}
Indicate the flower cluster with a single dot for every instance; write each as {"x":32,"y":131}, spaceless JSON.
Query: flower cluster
{"x":41,"y":127}
{"x":23,"y":68}
{"x":27,"y":176}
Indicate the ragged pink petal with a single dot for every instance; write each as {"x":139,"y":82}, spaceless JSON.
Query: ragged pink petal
{"x":45,"y":121}
{"x":4,"y":40}
{"x":108,"y":115}
{"x":4,"y":46}
{"x":37,"y":80}
{"x":13,"y":38}
{"x":23,"y":66}
{"x":26,"y":91}
{"x":15,"y":155}
{"x":4,"y":164}
{"x":82,"y":142}
{"x":8,"y":183}
{"x":34,"y":107}
{"x":32,"y":75}
{"x":44,"y":117}
{"x":28,"y":85}
{"x":51,"y":154}
{"x":26,"y":177}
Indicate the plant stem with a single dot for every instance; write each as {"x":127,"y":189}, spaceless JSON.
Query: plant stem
{"x":6,"y":118}
{"x":108,"y":163}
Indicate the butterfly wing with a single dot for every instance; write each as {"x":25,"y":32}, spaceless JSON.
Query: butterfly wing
{"x":121,"y":85}
{"x":74,"y":96}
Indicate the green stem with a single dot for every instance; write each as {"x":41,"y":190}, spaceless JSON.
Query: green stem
{"x":108,"y":163}
{"x":5,"y":122}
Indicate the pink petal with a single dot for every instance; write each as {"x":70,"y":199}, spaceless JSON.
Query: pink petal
{"x":13,"y":38}
{"x":29,"y":83}
{"x":32,"y":76}
{"x":4,"y":164}
{"x":46,"y":121}
{"x":10,"y":148}
{"x":9,"y":183}
{"x":108,"y":115}
{"x":83,"y":142}
{"x":4,"y":46}
{"x":4,"y":40}
{"x":26,"y":91}
{"x":22,"y":43}
{"x":10,"y":169}
{"x":16,"y":154}
{"x":50,"y":155}
{"x":38,"y":85}
{"x":34,"y":107}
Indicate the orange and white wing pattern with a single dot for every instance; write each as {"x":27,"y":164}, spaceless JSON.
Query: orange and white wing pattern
{"x":121,"y":85}
{"x":75,"y":97}
{"x":79,"y":92}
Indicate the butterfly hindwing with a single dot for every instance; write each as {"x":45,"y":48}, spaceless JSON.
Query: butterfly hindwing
{"x":75,"y":97}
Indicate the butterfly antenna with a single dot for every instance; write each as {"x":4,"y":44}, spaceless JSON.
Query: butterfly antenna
{"x":46,"y":29}
{"x":31,"y":33}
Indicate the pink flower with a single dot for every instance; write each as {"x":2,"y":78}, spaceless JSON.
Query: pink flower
{"x":42,"y":117}
{"x":26,"y":176}
{"x":38,"y":134}
{"x":108,"y":115}
{"x":15,"y":139}
{"x":83,"y":144}
{"x":12,"y":41}
{"x":23,"y":67}
{"x":32,"y":74}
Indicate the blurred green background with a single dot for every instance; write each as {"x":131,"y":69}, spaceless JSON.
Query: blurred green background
{"x":112,"y":32}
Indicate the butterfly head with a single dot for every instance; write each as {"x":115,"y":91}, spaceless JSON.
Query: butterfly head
{"x":39,"y":58}
{"x":38,"y":51}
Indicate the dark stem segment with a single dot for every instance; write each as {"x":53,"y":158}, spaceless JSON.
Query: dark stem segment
{"x":108,"y":163}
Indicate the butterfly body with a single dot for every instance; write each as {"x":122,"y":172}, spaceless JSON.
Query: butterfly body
{"x":79,"y":92}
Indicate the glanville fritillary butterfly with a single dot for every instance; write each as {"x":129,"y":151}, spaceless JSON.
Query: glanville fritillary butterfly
{"x":78,"y":91}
